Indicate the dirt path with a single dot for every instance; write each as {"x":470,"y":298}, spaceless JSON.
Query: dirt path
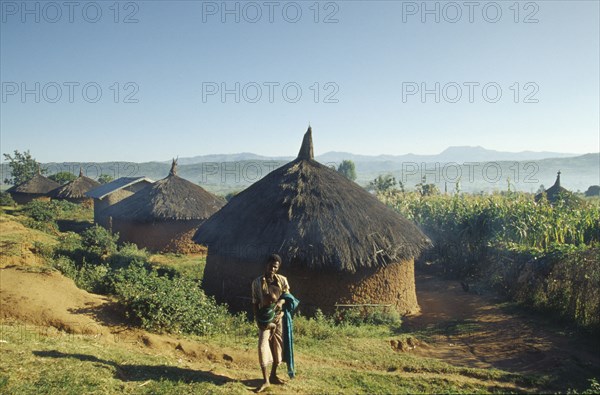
{"x":471,"y":330}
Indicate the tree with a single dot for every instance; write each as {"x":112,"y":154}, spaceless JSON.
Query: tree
{"x":348,"y":169}
{"x":383,"y":183}
{"x":62,"y":177}
{"x":593,"y":190}
{"x":427,"y":189}
{"x":22,"y":167}
{"x":230,"y":195}
{"x":105,"y":179}
{"x":541,"y":189}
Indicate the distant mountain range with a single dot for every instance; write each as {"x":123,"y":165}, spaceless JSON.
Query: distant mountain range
{"x":474,"y":169}
{"x":451,"y":154}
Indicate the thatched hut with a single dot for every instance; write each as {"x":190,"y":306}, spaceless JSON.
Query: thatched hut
{"x":37,"y":187}
{"x":75,"y":191}
{"x":555,"y":192}
{"x":110,"y":193}
{"x":165,"y":215}
{"x":338,"y":242}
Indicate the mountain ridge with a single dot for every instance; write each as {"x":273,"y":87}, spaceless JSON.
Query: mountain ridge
{"x":450,"y":154}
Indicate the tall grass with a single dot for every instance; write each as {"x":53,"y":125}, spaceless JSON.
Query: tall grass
{"x":542,"y":254}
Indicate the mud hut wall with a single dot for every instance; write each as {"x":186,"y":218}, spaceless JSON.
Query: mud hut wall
{"x":230,"y":280}
{"x":87,"y":202}
{"x":164,"y":236}
{"x":101,"y":204}
{"x":24,"y":198}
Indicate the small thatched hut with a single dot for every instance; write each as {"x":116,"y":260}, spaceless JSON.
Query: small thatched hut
{"x":75,"y":191}
{"x":110,"y":193}
{"x":165,"y":215}
{"x":338,"y":242}
{"x":555,"y":192}
{"x":37,"y":187}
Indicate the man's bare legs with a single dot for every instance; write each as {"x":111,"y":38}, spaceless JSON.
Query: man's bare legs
{"x":266,"y":384}
{"x":274,"y":378}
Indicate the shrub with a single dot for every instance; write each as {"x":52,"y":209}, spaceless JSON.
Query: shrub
{"x":90,"y":277}
{"x":41,"y":211}
{"x":369,"y":316}
{"x":162,"y":304}
{"x":320,"y":327}
{"x":6,"y":199}
{"x":93,"y":278}
{"x":99,"y":241}
{"x":128,"y":254}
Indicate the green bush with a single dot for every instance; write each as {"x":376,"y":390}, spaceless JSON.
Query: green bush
{"x":48,"y":227}
{"x":93,"y":278}
{"x":90,"y":277}
{"x":41,"y":211}
{"x":6,"y":199}
{"x":320,"y":327}
{"x":128,"y":254}
{"x":162,"y":304}
{"x":594,"y":388}
{"x":99,"y":241}
{"x":66,"y":266}
{"x":369,"y":316}
{"x":69,"y":242}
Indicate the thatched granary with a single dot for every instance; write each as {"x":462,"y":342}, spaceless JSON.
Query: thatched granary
{"x":37,"y":187}
{"x":75,"y":191}
{"x":555,"y":192}
{"x":339,"y":243}
{"x":110,"y":193}
{"x":165,"y":215}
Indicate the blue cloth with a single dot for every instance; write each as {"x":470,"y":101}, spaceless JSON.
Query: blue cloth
{"x":290,"y":305}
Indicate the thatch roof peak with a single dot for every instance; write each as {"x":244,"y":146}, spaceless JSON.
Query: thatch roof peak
{"x":173,"y":171}
{"x":313,"y":217}
{"x":80,"y":172}
{"x":557,"y":182}
{"x":306,"y":150}
{"x":555,"y":191}
{"x":75,"y":189}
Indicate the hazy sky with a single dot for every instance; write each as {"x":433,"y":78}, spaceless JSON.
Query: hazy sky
{"x":149,"y":80}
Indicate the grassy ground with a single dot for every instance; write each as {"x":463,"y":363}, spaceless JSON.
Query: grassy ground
{"x":35,"y":360}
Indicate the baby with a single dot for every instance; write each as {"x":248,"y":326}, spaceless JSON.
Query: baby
{"x":271,"y":299}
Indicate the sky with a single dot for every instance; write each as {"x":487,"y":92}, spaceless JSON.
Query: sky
{"x":141,"y":81}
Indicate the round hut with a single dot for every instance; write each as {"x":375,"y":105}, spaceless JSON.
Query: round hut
{"x":555,"y":192}
{"x":75,"y":191}
{"x":164,"y":215}
{"x":339,"y":243}
{"x":37,"y":187}
{"x":108,"y":194}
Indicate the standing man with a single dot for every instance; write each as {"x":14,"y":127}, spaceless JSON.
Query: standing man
{"x":267,"y":305}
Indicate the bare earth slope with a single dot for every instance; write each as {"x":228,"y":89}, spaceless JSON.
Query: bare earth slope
{"x":471,"y":330}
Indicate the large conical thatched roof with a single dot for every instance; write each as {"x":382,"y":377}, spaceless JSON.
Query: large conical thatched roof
{"x":172,"y":198}
{"x":75,"y":189}
{"x":555,"y":191}
{"x":314,"y":217}
{"x":37,"y":185}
